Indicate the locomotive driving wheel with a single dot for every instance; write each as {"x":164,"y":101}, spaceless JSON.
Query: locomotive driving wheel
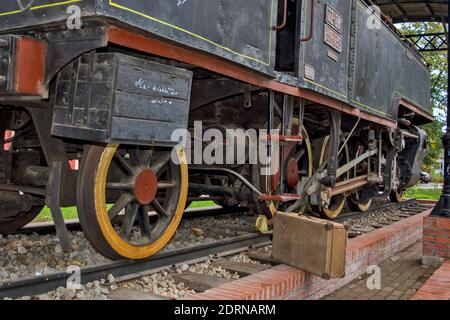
{"x":131,"y":199}
{"x":354,"y":201}
{"x":337,"y":202}
{"x":397,"y":195}
{"x":298,"y":159}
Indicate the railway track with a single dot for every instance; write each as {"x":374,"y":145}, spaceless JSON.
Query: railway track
{"x":42,"y":228}
{"x":380,"y":216}
{"x":128,"y":270}
{"x":261,"y":258}
{"x":405,"y":204}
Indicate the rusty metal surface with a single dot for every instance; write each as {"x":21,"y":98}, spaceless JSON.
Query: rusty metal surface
{"x":367,"y":67}
{"x":129,"y":39}
{"x":30,"y":67}
{"x":242,"y":31}
{"x":117,"y":98}
{"x":31,"y":13}
{"x":324,"y":59}
{"x":22,"y":68}
{"x":384,"y":68}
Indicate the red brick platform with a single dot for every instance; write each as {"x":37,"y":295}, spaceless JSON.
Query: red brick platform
{"x":437,"y":287}
{"x":287,"y":283}
{"x":436,"y":237}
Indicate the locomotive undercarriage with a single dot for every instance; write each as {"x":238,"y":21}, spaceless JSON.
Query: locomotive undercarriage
{"x":339,"y":160}
{"x":131,"y":198}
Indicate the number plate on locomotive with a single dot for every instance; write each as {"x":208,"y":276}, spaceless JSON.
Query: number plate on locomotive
{"x":334,"y":19}
{"x":333,"y":39}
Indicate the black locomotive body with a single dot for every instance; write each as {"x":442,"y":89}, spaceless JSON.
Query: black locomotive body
{"x":107,"y":83}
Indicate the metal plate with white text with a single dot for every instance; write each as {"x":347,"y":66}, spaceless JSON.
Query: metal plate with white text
{"x":333,"y":39}
{"x":334,"y":19}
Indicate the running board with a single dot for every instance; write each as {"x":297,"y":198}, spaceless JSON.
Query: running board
{"x":280,"y":198}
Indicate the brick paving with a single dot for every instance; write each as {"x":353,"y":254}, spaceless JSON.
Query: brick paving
{"x":401,"y":277}
{"x":437,"y":287}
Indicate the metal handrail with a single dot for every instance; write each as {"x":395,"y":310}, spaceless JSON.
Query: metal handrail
{"x":311,"y":29}
{"x":285,"y":14}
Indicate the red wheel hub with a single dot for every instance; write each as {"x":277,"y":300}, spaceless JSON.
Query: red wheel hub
{"x":292,"y":176}
{"x":145,"y":186}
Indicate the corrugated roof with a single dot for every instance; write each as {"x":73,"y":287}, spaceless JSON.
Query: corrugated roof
{"x":414,"y":10}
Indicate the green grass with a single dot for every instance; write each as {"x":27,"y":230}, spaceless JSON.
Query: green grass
{"x":202,"y":204}
{"x":46,"y":216}
{"x":422,"y":194}
{"x":71,"y":213}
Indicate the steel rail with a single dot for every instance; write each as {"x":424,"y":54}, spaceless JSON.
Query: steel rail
{"x":346,"y":216}
{"x":74,"y":225}
{"x":132,"y":269}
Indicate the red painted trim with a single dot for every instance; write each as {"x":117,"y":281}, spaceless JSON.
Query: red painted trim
{"x":129,"y":39}
{"x":30,"y":67}
{"x":416,"y":109}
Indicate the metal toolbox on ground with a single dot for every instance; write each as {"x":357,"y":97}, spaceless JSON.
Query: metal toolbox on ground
{"x":310,"y":244}
{"x":115,"y":98}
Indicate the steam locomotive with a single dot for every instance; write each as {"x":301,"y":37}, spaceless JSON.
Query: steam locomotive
{"x":333,"y":90}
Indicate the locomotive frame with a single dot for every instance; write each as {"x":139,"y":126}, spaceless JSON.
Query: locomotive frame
{"x":354,"y":128}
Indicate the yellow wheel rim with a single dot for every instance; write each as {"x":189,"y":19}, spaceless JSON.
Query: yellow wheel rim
{"x":120,"y":246}
{"x":366,"y":206}
{"x":332,"y":213}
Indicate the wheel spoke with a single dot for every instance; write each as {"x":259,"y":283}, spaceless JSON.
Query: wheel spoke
{"x":119,"y":186}
{"x":166,"y":185}
{"x":123,"y":164}
{"x":131,"y":214}
{"x":123,"y":201}
{"x":161,"y":163}
{"x":141,"y":158}
{"x":144,"y":222}
{"x":299,"y":155}
{"x":160,"y":209}
{"x":147,"y":157}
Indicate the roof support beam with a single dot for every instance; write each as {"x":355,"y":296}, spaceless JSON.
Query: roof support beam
{"x":428,"y":42}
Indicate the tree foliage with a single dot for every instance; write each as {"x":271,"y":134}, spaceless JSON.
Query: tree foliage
{"x":438,"y":64}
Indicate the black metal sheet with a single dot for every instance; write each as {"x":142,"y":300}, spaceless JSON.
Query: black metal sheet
{"x":323,"y":66}
{"x":234,"y":29}
{"x":385,"y":69}
{"x":116,"y":98}
{"x":39,"y":12}
{"x":241,"y":31}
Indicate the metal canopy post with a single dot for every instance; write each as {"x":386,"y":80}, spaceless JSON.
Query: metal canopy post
{"x":443,"y":207}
